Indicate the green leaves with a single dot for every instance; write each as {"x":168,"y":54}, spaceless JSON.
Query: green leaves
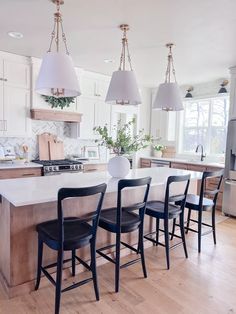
{"x":62,"y":102}
{"x":125,"y":141}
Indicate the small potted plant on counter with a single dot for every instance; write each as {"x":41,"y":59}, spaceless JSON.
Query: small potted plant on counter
{"x":123,"y":143}
{"x":158,"y":150}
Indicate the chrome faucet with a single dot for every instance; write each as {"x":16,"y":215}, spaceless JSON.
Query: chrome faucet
{"x":202,"y":151}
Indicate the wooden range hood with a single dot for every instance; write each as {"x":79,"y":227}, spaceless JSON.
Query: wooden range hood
{"x":55,"y":115}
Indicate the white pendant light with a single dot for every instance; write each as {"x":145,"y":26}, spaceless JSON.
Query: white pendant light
{"x":57,"y":75}
{"x":169,"y":96}
{"x":123,"y":88}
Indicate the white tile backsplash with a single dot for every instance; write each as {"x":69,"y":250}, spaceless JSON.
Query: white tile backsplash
{"x":71,"y":145}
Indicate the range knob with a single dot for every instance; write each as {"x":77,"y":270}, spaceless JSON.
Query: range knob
{"x":55,"y":168}
{"x":50,"y":168}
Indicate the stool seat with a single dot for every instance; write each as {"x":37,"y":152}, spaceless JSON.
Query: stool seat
{"x":157,"y":209}
{"x":129,"y":221}
{"x":192,"y":202}
{"x":76,"y":233}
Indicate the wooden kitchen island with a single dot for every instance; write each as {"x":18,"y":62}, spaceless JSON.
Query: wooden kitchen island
{"x":29,"y":201}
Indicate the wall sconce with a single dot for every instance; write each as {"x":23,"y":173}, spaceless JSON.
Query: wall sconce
{"x":189,"y":94}
{"x":223,"y":90}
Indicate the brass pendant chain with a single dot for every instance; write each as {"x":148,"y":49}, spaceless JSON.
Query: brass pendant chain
{"x":125,"y":50}
{"x":170,"y":65}
{"x":55,"y":35}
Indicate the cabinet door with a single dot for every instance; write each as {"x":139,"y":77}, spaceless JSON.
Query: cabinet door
{"x":17,"y":74}
{"x":88,"y":86}
{"x":101,"y":88}
{"x":102,"y":114}
{"x":16,"y":111}
{"x":179,"y":166}
{"x":86,"y":106}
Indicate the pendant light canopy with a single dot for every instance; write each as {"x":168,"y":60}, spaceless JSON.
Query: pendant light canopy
{"x":123,"y":88}
{"x":57,"y":75}
{"x":169,"y":96}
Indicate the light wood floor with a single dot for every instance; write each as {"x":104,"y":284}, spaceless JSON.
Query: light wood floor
{"x":202,"y":284}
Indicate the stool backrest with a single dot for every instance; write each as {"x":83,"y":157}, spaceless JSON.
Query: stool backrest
{"x":66,"y":193}
{"x":129,"y":183}
{"x":181,"y":197}
{"x":205,"y":189}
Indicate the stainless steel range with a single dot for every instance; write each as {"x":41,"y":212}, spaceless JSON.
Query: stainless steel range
{"x":52,"y":167}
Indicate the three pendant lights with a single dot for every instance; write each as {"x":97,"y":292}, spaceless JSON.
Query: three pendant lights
{"x":57,"y":76}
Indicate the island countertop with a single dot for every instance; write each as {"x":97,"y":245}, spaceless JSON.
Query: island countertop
{"x":36,"y":190}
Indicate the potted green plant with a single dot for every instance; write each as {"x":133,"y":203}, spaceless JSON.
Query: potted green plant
{"x":158,"y":150}
{"x":124,"y":143}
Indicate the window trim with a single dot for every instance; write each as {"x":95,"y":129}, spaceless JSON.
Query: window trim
{"x":180,"y":124}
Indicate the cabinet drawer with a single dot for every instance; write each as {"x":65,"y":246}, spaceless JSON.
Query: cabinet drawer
{"x":179,"y":166}
{"x":197,"y":168}
{"x":145,"y":163}
{"x":20,"y":173}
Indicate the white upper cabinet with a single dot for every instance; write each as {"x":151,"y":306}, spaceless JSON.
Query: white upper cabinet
{"x":16,"y":112}
{"x":15,"y":95}
{"x":95,"y":112}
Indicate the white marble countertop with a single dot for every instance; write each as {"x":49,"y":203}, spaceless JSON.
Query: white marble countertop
{"x":187,"y":161}
{"x":18,"y":165}
{"x":35,"y":190}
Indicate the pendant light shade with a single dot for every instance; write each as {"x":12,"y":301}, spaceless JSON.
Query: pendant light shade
{"x":169,"y":97}
{"x":57,"y":73}
{"x":57,"y":76}
{"x":123,"y":88}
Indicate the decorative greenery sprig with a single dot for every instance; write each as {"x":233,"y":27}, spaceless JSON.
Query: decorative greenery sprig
{"x":124,"y":142}
{"x":61,"y":102}
{"x":159,"y":148}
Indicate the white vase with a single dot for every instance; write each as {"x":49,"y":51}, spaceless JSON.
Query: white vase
{"x":118,"y":167}
{"x":158,"y":153}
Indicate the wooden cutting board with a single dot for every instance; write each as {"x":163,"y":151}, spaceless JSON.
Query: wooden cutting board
{"x":56,"y":149}
{"x":49,"y":147}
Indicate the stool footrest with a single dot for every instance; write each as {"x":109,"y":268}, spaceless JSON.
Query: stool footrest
{"x":129,"y":247}
{"x":130,"y":263}
{"x":49,"y":277}
{"x":78,"y":284}
{"x":83,"y":262}
{"x":99,"y":251}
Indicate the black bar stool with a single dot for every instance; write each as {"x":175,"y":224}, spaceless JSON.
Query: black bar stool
{"x":166,"y":211}
{"x":120,"y":220}
{"x":69,"y":234}
{"x":204,"y":202}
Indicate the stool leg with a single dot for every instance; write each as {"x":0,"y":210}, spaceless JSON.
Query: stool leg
{"x":117,"y":268}
{"x":40,"y":257}
{"x":94,"y":269}
{"x":214,"y":224}
{"x":141,"y":246}
{"x":166,"y":230}
{"x":58,"y":281}
{"x":157,"y":230}
{"x":173,"y":229}
{"x":188,"y":220}
{"x":181,"y":220}
{"x":73,"y":262}
{"x":199,"y":230}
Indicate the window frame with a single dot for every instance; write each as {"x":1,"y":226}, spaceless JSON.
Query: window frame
{"x":209,"y":127}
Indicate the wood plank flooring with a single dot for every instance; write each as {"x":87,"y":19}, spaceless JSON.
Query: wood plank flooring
{"x":203,"y":284}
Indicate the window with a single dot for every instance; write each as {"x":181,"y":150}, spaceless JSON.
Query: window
{"x":205,"y":122}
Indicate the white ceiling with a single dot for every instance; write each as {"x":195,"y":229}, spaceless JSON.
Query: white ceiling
{"x":204,"y":32}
